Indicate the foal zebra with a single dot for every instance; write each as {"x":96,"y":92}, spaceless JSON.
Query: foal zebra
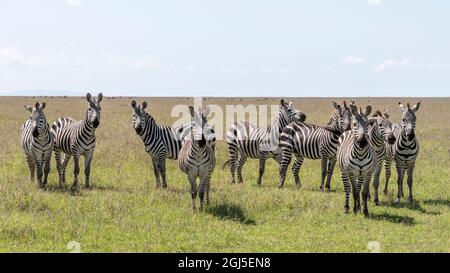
{"x":197,"y":158}
{"x":77,"y":138}
{"x":314,"y":142}
{"x":356,"y":159}
{"x":256,"y":142}
{"x":161,"y":142}
{"x":380,"y":135}
{"x":404,"y":151}
{"x":37,"y":143}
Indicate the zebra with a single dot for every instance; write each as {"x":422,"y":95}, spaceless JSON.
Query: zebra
{"x":197,"y":157}
{"x":161,"y":142}
{"x":404,"y":150}
{"x":381,"y":134}
{"x":257,"y":142}
{"x":76,"y":138}
{"x":356,"y":159}
{"x":37,"y":143}
{"x":314,"y":142}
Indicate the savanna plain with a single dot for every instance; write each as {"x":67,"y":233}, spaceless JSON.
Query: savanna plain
{"x":124,"y":212}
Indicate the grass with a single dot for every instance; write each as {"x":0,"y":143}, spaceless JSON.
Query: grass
{"x":123,"y":212}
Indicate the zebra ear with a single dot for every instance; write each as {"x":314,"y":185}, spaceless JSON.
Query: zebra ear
{"x":144,"y":105}
{"x":291,"y":103}
{"x":402,"y":107}
{"x":43,"y":105}
{"x":416,"y":107}
{"x":206,"y":112}
{"x":89,"y":97}
{"x":99,"y":97}
{"x":133,"y":104}
{"x":282,"y":103}
{"x":368,"y":110}
{"x":385,"y":114}
{"x":29,"y":108}
{"x":191,"y":111}
{"x":337,"y":106}
{"x":354,"y":110}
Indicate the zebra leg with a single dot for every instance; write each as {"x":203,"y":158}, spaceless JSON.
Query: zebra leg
{"x":387,"y":166}
{"x":87,"y":168}
{"x":39,"y":167}
{"x":64,"y":166}
{"x":285,"y":160}
{"x":201,"y":192}
{"x":156,"y":172}
{"x":365,"y":193}
{"x":162,"y":171}
{"x":47,"y":168}
{"x":400,"y":174}
{"x":376,"y":183}
{"x":410,"y":173}
{"x":331,"y":164}
{"x":356,"y":193}
{"x":262,"y":165}
{"x":296,"y":169}
{"x":193,"y":189}
{"x":31,"y":166}
{"x":324,"y":171}
{"x":76,"y":171}
{"x":240,"y":165}
{"x":232,"y":150}
{"x":207,"y":187}
{"x":346,"y":182}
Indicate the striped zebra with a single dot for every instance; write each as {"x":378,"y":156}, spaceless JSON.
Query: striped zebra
{"x":404,"y":151}
{"x":381,"y":134}
{"x":314,"y":142}
{"x":161,"y":142}
{"x":197,"y":158}
{"x":76,"y":138}
{"x":37,"y":143}
{"x":251,"y":141}
{"x":356,"y":159}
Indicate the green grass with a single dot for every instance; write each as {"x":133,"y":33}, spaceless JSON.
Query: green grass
{"x":123,"y":212}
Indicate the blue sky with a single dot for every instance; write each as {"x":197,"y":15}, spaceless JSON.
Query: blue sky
{"x":226,"y":48}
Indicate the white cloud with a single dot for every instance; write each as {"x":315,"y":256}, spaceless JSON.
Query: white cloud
{"x":73,"y":2}
{"x":374,"y":2}
{"x":352,"y":60}
{"x":234,"y":70}
{"x":189,"y":68}
{"x":397,"y":65}
{"x":10,"y":55}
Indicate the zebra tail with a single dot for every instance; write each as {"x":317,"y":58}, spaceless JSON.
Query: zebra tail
{"x":225,"y":164}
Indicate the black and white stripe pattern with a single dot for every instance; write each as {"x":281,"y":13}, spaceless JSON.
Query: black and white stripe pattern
{"x":197,"y":158}
{"x":37,"y":143}
{"x":161,"y":142}
{"x":404,"y":151}
{"x":356,"y":159}
{"x":380,"y":134}
{"x":314,"y":142}
{"x":77,"y":138}
{"x":251,"y":141}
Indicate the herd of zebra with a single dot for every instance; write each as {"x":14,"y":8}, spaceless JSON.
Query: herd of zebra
{"x":359,"y":143}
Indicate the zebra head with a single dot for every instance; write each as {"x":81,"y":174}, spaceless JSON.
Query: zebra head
{"x":94,"y":109}
{"x":383,"y":126}
{"x":289,"y":113}
{"x":408,"y":122}
{"x":140,"y":116}
{"x":360,"y":124}
{"x":201,"y":131}
{"x":342,"y":117}
{"x":37,"y":118}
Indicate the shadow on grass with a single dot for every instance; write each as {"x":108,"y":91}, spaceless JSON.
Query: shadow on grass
{"x":396,"y":219}
{"x":412,"y":206}
{"x":442,"y":202}
{"x":230,"y":212}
